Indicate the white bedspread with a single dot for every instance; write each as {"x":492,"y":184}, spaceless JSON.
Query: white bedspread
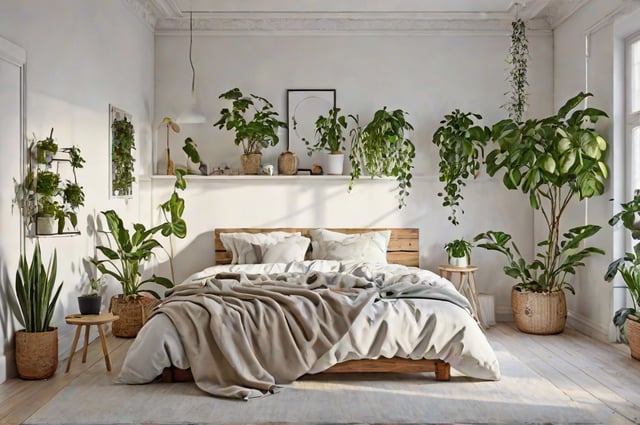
{"x":408,"y":327}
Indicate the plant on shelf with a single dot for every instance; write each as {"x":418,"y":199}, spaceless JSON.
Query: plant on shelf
{"x":46,"y":149}
{"x":517,"y":58}
{"x":37,"y":295}
{"x":122,"y":146}
{"x":123,"y":261}
{"x":255,"y":124}
{"x":458,"y":252}
{"x":553,"y":160}
{"x":170,"y":124}
{"x":381,"y":148}
{"x":330,"y":138}
{"x":73,"y":195}
{"x":628,"y":267}
{"x":461,"y":149}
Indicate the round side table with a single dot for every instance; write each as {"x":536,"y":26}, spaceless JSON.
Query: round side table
{"x":466,"y":285}
{"x":87,"y":320}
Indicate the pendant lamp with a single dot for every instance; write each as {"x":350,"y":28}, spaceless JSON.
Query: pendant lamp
{"x":192,"y":114}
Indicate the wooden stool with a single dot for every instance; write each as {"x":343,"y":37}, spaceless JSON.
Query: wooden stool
{"x":466,"y":285}
{"x":87,"y":320}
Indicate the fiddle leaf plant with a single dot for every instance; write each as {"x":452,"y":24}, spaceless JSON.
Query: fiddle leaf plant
{"x":553,"y":160}
{"x":382,"y":148}
{"x":461,"y":149}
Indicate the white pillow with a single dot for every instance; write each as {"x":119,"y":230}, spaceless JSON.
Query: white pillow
{"x":292,"y":248}
{"x":367,"y":247}
{"x":241,"y":244}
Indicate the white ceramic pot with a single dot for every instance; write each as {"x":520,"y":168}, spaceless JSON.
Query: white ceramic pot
{"x":458,"y":261}
{"x":47,"y":226}
{"x":335,"y":163}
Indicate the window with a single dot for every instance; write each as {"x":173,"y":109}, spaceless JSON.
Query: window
{"x":633,"y":112}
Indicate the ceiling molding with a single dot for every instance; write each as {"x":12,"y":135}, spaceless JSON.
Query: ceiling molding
{"x":145,"y":10}
{"x":557,"y":12}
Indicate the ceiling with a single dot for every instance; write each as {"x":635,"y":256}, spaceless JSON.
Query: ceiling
{"x":349,"y":15}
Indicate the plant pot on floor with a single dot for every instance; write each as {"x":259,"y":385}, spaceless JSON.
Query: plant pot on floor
{"x":251,"y":163}
{"x":335,"y":163}
{"x":37,"y":354}
{"x":540,"y":313}
{"x":633,"y":336}
{"x":90,"y":304}
{"x":132,"y":312}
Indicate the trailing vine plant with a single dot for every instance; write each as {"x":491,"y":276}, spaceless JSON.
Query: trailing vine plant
{"x":461,"y":149}
{"x":73,"y":194}
{"x":517,"y":58}
{"x":121,"y":157}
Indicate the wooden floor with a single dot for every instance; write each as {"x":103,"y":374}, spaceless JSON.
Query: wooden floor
{"x":598,"y":375}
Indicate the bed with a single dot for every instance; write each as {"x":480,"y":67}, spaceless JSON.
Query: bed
{"x":285,"y":302}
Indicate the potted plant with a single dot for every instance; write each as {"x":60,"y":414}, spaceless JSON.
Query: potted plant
{"x":459,"y":252}
{"x":91,"y":302}
{"x":73,"y":195}
{"x":122,"y":159}
{"x":255,"y":123}
{"x":37,"y":344}
{"x":461,"y":149}
{"x":46,"y":149}
{"x":123,"y":261}
{"x":381,"y":148}
{"x":170,"y":124}
{"x":627,"y":319}
{"x":47,"y":187}
{"x":330,"y":138}
{"x":553,"y":160}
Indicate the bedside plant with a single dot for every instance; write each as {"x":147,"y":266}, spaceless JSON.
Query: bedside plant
{"x":381,"y":148}
{"x":255,"y":124}
{"x":459,"y":252}
{"x":91,"y":303}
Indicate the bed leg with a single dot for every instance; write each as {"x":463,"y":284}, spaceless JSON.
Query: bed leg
{"x":443,"y":371}
{"x":167,"y":375}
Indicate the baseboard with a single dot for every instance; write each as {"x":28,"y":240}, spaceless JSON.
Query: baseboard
{"x":504,"y":314}
{"x":7,"y":366}
{"x":587,"y":326}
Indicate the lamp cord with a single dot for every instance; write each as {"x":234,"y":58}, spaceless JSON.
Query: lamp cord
{"x":193,"y":70}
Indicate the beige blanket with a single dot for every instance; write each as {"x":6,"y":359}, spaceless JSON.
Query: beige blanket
{"x":245,"y":334}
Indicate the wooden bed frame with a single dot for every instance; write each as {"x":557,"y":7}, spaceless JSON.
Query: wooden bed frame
{"x":403,"y":249}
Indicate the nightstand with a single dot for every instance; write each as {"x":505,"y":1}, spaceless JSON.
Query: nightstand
{"x":87,"y":320}
{"x":466,"y":285}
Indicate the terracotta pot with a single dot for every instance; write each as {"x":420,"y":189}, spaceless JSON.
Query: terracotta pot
{"x":633,"y":337}
{"x":540,"y":313}
{"x":37,"y":354}
{"x":132,"y":312}
{"x":251,"y":163}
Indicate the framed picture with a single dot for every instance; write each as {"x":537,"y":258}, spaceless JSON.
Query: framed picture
{"x":121,"y":146}
{"x":304,"y":106}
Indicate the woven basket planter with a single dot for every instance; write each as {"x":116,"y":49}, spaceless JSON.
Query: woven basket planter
{"x":633,"y":337}
{"x":133,"y":313}
{"x":37,"y":354}
{"x":539,"y":313}
{"x":251,"y":163}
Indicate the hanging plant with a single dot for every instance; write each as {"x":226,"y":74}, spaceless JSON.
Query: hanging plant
{"x":517,"y":58}
{"x":121,"y":157}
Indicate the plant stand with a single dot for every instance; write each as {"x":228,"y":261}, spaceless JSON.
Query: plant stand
{"x":87,"y":320}
{"x":466,"y":286}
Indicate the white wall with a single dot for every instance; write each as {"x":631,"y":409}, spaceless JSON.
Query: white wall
{"x":591,"y":309}
{"x":426,"y":75}
{"x":82,"y":55}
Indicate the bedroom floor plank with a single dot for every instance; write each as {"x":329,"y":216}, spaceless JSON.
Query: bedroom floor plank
{"x":576,"y":382}
{"x":599,"y":378}
{"x":19,"y":399}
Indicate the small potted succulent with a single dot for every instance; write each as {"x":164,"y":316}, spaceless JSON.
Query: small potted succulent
{"x":256,"y":125}
{"x":459,"y":252}
{"x":91,"y":303}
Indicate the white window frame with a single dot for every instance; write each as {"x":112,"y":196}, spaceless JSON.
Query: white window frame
{"x":632,"y":122}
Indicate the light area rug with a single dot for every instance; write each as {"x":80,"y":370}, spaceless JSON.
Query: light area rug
{"x":521,"y":397}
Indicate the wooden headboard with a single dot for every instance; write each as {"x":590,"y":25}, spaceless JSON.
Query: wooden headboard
{"x":404,"y":244}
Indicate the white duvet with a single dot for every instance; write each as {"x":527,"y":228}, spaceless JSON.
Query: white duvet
{"x":413,"y":328}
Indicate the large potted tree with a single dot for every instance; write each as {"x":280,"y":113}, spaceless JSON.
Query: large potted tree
{"x":382,"y":148}
{"x":123,"y":261}
{"x":553,"y":160}
{"x":255,"y":123}
{"x":627,"y":319}
{"x":37,"y":343}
